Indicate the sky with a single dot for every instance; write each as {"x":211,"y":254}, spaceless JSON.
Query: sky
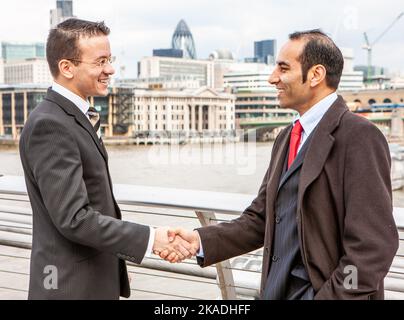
{"x":138,"y":27}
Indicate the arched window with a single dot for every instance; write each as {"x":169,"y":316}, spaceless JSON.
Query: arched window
{"x":371,"y":101}
{"x":387,"y":100}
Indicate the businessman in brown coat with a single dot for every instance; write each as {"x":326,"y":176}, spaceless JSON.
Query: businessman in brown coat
{"x":324,"y":210}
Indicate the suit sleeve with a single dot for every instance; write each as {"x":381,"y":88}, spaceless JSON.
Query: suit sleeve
{"x":370,"y":238}
{"x":55,"y":163}
{"x":244,"y":234}
{"x":239,"y":236}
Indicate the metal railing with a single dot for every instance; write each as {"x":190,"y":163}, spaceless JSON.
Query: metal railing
{"x":232,"y":279}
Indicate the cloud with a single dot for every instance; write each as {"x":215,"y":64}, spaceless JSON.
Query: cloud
{"x":139,"y":26}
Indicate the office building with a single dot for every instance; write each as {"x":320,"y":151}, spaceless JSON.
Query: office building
{"x":350,"y":79}
{"x":63,"y":11}
{"x":255,"y":97}
{"x":16,"y":102}
{"x":30,"y":71}
{"x":265,"y":51}
{"x":172,"y":53}
{"x":249,"y":80}
{"x":166,"y":83}
{"x":13,"y":51}
{"x":1,"y":71}
{"x":224,"y":63}
{"x":374,"y":70}
{"x":183,"y":40}
{"x":157,"y":67}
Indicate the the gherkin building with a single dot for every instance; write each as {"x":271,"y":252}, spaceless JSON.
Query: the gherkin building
{"x":183,"y":40}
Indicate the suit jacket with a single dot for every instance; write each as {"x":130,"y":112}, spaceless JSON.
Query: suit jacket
{"x":287,"y":277}
{"x":344,"y":210}
{"x":76,"y":220}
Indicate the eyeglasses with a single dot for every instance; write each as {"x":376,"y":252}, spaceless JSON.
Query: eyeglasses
{"x":101,"y":63}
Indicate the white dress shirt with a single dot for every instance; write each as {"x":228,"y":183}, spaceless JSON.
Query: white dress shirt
{"x":309,"y":121}
{"x":84,"y":105}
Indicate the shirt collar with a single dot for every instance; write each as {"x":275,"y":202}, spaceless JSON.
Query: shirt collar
{"x":82,"y":104}
{"x":310,"y":119}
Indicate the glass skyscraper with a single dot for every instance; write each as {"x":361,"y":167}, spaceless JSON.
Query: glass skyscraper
{"x":265,"y":51}
{"x":65,"y":7}
{"x":63,"y":11}
{"x":183,"y":40}
{"x":21,"y":51}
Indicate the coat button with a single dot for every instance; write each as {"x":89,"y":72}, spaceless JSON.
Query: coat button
{"x":275,"y":258}
{"x":277,"y":219}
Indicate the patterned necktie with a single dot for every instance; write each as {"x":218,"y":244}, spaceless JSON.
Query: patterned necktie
{"x":295,"y":137}
{"x":94,"y":118}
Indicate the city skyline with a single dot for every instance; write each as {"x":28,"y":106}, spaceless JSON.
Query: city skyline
{"x":138,"y":29}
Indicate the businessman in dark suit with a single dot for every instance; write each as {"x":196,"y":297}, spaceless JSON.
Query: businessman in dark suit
{"x":79,"y":240}
{"x":324,"y":210}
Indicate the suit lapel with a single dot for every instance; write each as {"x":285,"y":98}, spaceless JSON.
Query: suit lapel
{"x":320,"y":146}
{"x":278,"y":161}
{"x":297,"y":163}
{"x":103,"y":148}
{"x":71,"y":109}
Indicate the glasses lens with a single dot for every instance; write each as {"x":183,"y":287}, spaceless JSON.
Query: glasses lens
{"x":102,"y":62}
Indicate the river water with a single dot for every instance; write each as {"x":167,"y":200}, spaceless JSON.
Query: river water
{"x":229,"y":167}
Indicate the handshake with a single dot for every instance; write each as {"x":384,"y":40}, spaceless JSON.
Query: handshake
{"x":175,"y":244}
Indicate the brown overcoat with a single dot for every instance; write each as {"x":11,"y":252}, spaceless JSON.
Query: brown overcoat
{"x":344,"y":213}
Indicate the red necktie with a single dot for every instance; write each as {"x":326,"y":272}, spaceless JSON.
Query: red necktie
{"x":295,"y":137}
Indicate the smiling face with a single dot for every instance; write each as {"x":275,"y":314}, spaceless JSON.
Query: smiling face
{"x":88,"y":78}
{"x":288,"y":79}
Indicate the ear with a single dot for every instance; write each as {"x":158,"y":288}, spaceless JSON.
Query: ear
{"x":66,"y":68}
{"x":317,"y":74}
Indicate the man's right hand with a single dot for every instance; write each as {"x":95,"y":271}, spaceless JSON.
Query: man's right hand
{"x":176,"y":248}
{"x":191,"y":237}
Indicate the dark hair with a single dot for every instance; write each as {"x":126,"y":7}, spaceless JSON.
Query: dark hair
{"x":320,"y":49}
{"x":63,"y":40}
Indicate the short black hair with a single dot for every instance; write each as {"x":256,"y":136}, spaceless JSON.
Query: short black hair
{"x":62,"y":41}
{"x":320,"y":49}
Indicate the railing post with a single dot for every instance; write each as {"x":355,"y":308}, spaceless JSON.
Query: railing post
{"x":224,"y":272}
{"x":397,"y":124}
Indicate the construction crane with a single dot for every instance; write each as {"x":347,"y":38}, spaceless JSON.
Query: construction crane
{"x":369,"y":46}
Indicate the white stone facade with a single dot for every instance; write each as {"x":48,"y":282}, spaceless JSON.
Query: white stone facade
{"x":198,"y":110}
